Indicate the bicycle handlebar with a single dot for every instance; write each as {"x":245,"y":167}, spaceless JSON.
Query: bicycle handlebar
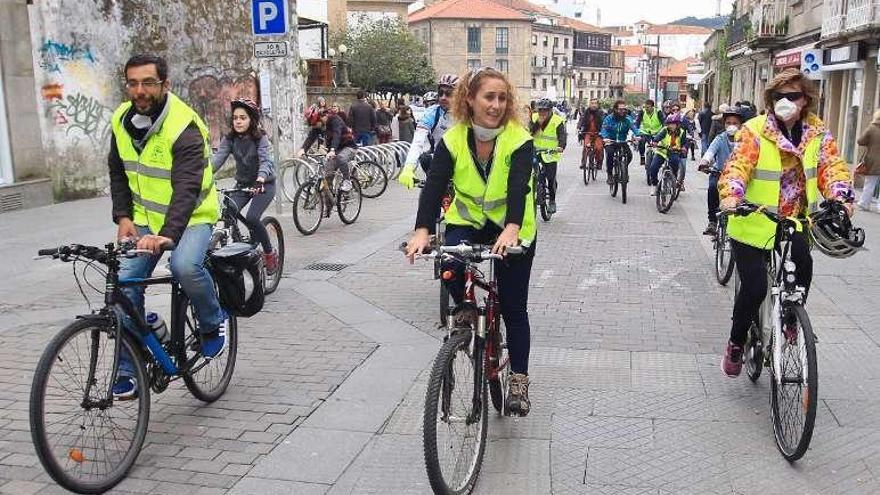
{"x":125,"y":249}
{"x":469,"y":252}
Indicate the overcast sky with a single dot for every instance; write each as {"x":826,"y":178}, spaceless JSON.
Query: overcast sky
{"x":658,"y":11}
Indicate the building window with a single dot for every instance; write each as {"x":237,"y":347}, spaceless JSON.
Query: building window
{"x":534,"y":83}
{"x":474,"y":64}
{"x":502,"y":65}
{"x":554,"y":83}
{"x":534,"y":40}
{"x":592,"y":94}
{"x":544,"y":64}
{"x":555,"y":42}
{"x":545,"y":41}
{"x":592,"y":77}
{"x":555,"y":61}
{"x":473,"y":40}
{"x":565,"y":43}
{"x":502,"y":37}
{"x":564,"y":61}
{"x":543,"y":84}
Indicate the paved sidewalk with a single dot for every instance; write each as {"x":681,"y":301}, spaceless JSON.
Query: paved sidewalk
{"x":627,"y":327}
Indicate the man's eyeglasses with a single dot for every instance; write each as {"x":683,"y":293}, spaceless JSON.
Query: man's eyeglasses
{"x":790,"y":96}
{"x":444,"y":92}
{"x":148,"y":84}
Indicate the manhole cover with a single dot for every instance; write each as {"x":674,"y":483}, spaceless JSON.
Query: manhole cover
{"x":327,"y":267}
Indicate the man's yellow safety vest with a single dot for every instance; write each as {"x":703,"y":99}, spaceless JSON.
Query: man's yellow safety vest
{"x":478,"y":200}
{"x":149,"y":172}
{"x":650,"y":124}
{"x":763,"y":188}
{"x":547,"y":138}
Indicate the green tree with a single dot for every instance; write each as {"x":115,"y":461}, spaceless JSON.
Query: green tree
{"x":385,"y":57}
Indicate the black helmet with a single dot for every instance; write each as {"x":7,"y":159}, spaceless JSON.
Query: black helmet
{"x":237,"y":269}
{"x":735,"y":111}
{"x":833,"y":233}
{"x":544,"y":104}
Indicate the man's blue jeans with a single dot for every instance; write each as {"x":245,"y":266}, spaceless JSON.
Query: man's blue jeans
{"x":704,"y":142}
{"x":188,"y":268}
{"x":363,"y":138}
{"x":674,"y":162}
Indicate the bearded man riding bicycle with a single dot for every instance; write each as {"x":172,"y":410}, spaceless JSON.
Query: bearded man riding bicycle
{"x":615,"y":129}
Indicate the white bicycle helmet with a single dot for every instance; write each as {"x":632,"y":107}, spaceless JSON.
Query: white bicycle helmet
{"x":832,"y":232}
{"x":430,"y":97}
{"x":448,"y":80}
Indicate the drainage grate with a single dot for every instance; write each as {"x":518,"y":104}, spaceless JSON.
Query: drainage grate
{"x":10,"y":202}
{"x":327,"y":267}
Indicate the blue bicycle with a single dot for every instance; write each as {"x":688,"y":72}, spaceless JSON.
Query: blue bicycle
{"x":87,"y":439}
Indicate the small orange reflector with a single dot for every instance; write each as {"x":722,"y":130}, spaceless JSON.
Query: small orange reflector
{"x":806,"y":400}
{"x":448,"y":275}
{"x":76,"y":455}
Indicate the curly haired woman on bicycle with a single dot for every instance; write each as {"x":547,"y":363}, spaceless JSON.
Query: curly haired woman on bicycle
{"x":487,"y":156}
{"x":254,"y":170}
{"x":786,"y":161}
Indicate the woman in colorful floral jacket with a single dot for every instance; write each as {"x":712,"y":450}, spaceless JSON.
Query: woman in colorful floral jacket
{"x":795,"y":159}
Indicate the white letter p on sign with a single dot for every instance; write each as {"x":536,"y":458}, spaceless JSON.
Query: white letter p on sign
{"x":268,"y":12}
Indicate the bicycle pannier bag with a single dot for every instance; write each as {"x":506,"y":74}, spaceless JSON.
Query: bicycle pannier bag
{"x":238,"y":272}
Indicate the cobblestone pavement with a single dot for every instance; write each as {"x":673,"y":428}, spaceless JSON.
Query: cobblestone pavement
{"x":628,"y":324}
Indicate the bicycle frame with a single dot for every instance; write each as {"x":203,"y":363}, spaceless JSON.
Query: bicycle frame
{"x":483,"y":336}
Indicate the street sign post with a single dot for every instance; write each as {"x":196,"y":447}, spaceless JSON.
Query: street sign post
{"x":270,"y":49}
{"x":269,"y":17}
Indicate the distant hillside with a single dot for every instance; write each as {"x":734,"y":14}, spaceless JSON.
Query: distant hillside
{"x":706,"y":22}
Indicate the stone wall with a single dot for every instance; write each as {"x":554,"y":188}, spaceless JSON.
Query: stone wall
{"x":79,"y":50}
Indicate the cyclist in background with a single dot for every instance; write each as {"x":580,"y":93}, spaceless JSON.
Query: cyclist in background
{"x":589,"y":125}
{"x":249,"y":145}
{"x":548,"y":131}
{"x":341,"y":147}
{"x":429,"y":131}
{"x":649,"y":121}
{"x":713,"y":160}
{"x":673,"y":143}
{"x":615,"y":129}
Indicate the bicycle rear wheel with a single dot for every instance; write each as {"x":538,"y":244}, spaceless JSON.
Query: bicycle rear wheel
{"x":586,"y":160}
{"x":724,"y":263}
{"x":794,"y":388}
{"x":207,"y":379}
{"x":87,"y":444}
{"x":276,"y":238}
{"x":373,"y":178}
{"x":308,"y":208}
{"x":348,"y":204}
{"x":594,"y":168}
{"x":455,"y":417}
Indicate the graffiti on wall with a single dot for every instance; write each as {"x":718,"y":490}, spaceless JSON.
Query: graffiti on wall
{"x":53,"y":54}
{"x":210,"y":96}
{"x":78,"y":114}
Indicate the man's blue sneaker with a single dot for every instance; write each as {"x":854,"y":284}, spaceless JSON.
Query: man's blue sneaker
{"x":214,"y":343}
{"x":125,"y":388}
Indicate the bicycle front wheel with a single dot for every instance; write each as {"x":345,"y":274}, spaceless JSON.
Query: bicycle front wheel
{"x":455,"y":417}
{"x":87,"y":442}
{"x":276,"y":238}
{"x":724,"y":263}
{"x":207,"y":379}
{"x":348,"y":204}
{"x":308,"y":208}
{"x":794,"y":386}
{"x":497,"y":363}
{"x":615,"y":179}
{"x":664,"y":192}
{"x":624,"y":179}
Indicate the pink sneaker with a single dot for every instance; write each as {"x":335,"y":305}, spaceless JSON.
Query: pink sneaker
{"x":731,"y":363}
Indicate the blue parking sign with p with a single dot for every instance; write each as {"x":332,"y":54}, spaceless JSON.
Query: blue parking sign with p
{"x":269,"y":17}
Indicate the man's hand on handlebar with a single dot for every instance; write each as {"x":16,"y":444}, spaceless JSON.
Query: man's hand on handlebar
{"x":126,"y":230}
{"x":154,"y":243}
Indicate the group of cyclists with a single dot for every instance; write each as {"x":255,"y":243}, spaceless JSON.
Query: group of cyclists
{"x":473,"y":141}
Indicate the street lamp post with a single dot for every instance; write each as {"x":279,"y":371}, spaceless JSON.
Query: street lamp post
{"x":341,"y":67}
{"x":656,"y":60}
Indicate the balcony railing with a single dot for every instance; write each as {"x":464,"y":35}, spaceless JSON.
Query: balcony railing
{"x":833,"y":17}
{"x":861,"y":14}
{"x":769,"y":20}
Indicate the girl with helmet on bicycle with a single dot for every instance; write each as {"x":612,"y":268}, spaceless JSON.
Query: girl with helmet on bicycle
{"x":487,"y":157}
{"x":673,"y":143}
{"x":785,"y":161}
{"x":714,"y":158}
{"x":254,"y":170}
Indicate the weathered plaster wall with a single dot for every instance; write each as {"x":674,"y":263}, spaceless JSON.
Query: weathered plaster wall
{"x":80,"y":48}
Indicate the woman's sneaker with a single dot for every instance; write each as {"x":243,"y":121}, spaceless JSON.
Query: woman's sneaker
{"x":125,"y":388}
{"x":731,"y":363}
{"x":518,"y":395}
